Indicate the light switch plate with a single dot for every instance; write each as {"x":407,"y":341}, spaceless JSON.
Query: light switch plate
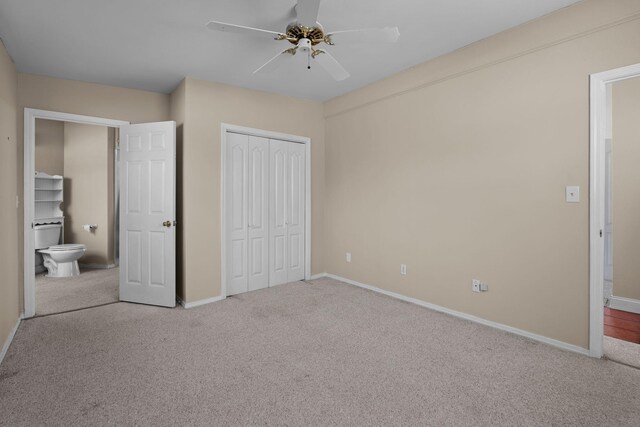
{"x":572,"y":193}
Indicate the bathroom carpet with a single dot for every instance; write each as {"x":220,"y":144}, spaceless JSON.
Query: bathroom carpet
{"x":91,"y":288}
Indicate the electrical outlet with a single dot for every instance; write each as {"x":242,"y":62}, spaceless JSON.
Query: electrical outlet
{"x":475,"y":285}
{"x":403,"y":269}
{"x":348,"y":256}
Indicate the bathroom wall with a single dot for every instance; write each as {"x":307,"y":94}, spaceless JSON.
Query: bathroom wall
{"x":49,"y":154}
{"x":88,"y":190}
{"x":9,"y":208}
{"x":626,"y":188}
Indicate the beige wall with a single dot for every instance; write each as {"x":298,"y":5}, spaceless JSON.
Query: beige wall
{"x":457,"y":168}
{"x":68,"y":96}
{"x":49,"y":154}
{"x":9,"y":303}
{"x":626,"y":188}
{"x":207,"y":105}
{"x":87,"y":178}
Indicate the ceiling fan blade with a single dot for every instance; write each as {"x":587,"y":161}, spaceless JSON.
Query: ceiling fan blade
{"x":240,"y":29}
{"x":368,"y":35}
{"x":330,"y":64}
{"x":275,"y":62}
{"x":307,"y":12}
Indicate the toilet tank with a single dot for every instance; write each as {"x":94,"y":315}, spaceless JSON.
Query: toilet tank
{"x":47,"y":235}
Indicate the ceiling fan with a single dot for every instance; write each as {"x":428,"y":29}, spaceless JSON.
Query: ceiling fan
{"x":305,"y":34}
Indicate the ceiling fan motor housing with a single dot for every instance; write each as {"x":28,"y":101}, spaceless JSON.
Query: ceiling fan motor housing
{"x":296,"y":32}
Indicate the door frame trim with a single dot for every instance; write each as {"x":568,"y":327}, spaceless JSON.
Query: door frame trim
{"x":30,"y":116}
{"x":599,"y":115}
{"x":224,"y":129}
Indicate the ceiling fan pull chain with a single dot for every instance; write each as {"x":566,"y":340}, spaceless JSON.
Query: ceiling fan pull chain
{"x":309,"y":60}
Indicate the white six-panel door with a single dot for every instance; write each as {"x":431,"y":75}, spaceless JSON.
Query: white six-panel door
{"x":265,"y":184}
{"x":147,"y":213}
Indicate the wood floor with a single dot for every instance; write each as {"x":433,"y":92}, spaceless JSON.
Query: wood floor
{"x":622,"y":325}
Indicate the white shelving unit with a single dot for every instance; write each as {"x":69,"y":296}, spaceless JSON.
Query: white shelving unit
{"x":49,"y":194}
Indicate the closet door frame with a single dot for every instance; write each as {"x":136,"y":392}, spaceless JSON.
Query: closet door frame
{"x":230,"y":128}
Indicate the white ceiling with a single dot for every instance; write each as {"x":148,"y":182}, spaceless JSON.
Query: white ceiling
{"x":153,"y":44}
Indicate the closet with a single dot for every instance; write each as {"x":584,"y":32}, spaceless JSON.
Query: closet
{"x":264,"y":212}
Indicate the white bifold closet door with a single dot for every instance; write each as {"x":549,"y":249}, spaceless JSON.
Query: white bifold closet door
{"x":265,"y":184}
{"x":286,"y":211}
{"x":247,"y":180}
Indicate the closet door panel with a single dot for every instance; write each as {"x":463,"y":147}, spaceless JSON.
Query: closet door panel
{"x":236,"y":181}
{"x":278,"y":197}
{"x":296,"y":172}
{"x":258,"y":208}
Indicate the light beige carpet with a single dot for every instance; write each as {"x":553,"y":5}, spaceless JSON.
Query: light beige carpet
{"x":622,"y":351}
{"x":324,"y":353}
{"x":91,"y":288}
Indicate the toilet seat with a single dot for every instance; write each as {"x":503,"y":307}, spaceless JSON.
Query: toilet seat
{"x":67,"y":247}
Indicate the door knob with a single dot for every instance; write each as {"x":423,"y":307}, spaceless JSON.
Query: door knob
{"x":167,"y":224}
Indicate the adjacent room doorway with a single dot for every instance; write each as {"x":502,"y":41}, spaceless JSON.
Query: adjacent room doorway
{"x":614,"y":209}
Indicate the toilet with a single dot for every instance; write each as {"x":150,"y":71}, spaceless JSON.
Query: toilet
{"x":59,"y":260}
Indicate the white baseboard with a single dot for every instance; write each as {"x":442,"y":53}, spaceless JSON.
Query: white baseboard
{"x":625,"y":304}
{"x":97,"y":266}
{"x":550,"y":341}
{"x":318,"y":276}
{"x":7,"y":342}
{"x":200,"y":302}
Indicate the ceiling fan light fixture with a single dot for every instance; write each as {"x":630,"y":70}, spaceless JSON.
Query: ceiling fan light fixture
{"x":304,"y":45}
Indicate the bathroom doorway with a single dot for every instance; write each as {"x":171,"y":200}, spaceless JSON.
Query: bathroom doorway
{"x":75,"y":216}
{"x":56,"y":201}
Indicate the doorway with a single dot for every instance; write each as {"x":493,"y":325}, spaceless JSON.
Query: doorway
{"x":266,"y":204}
{"x":30,"y":117}
{"x":75,"y":214}
{"x":614,"y":323}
